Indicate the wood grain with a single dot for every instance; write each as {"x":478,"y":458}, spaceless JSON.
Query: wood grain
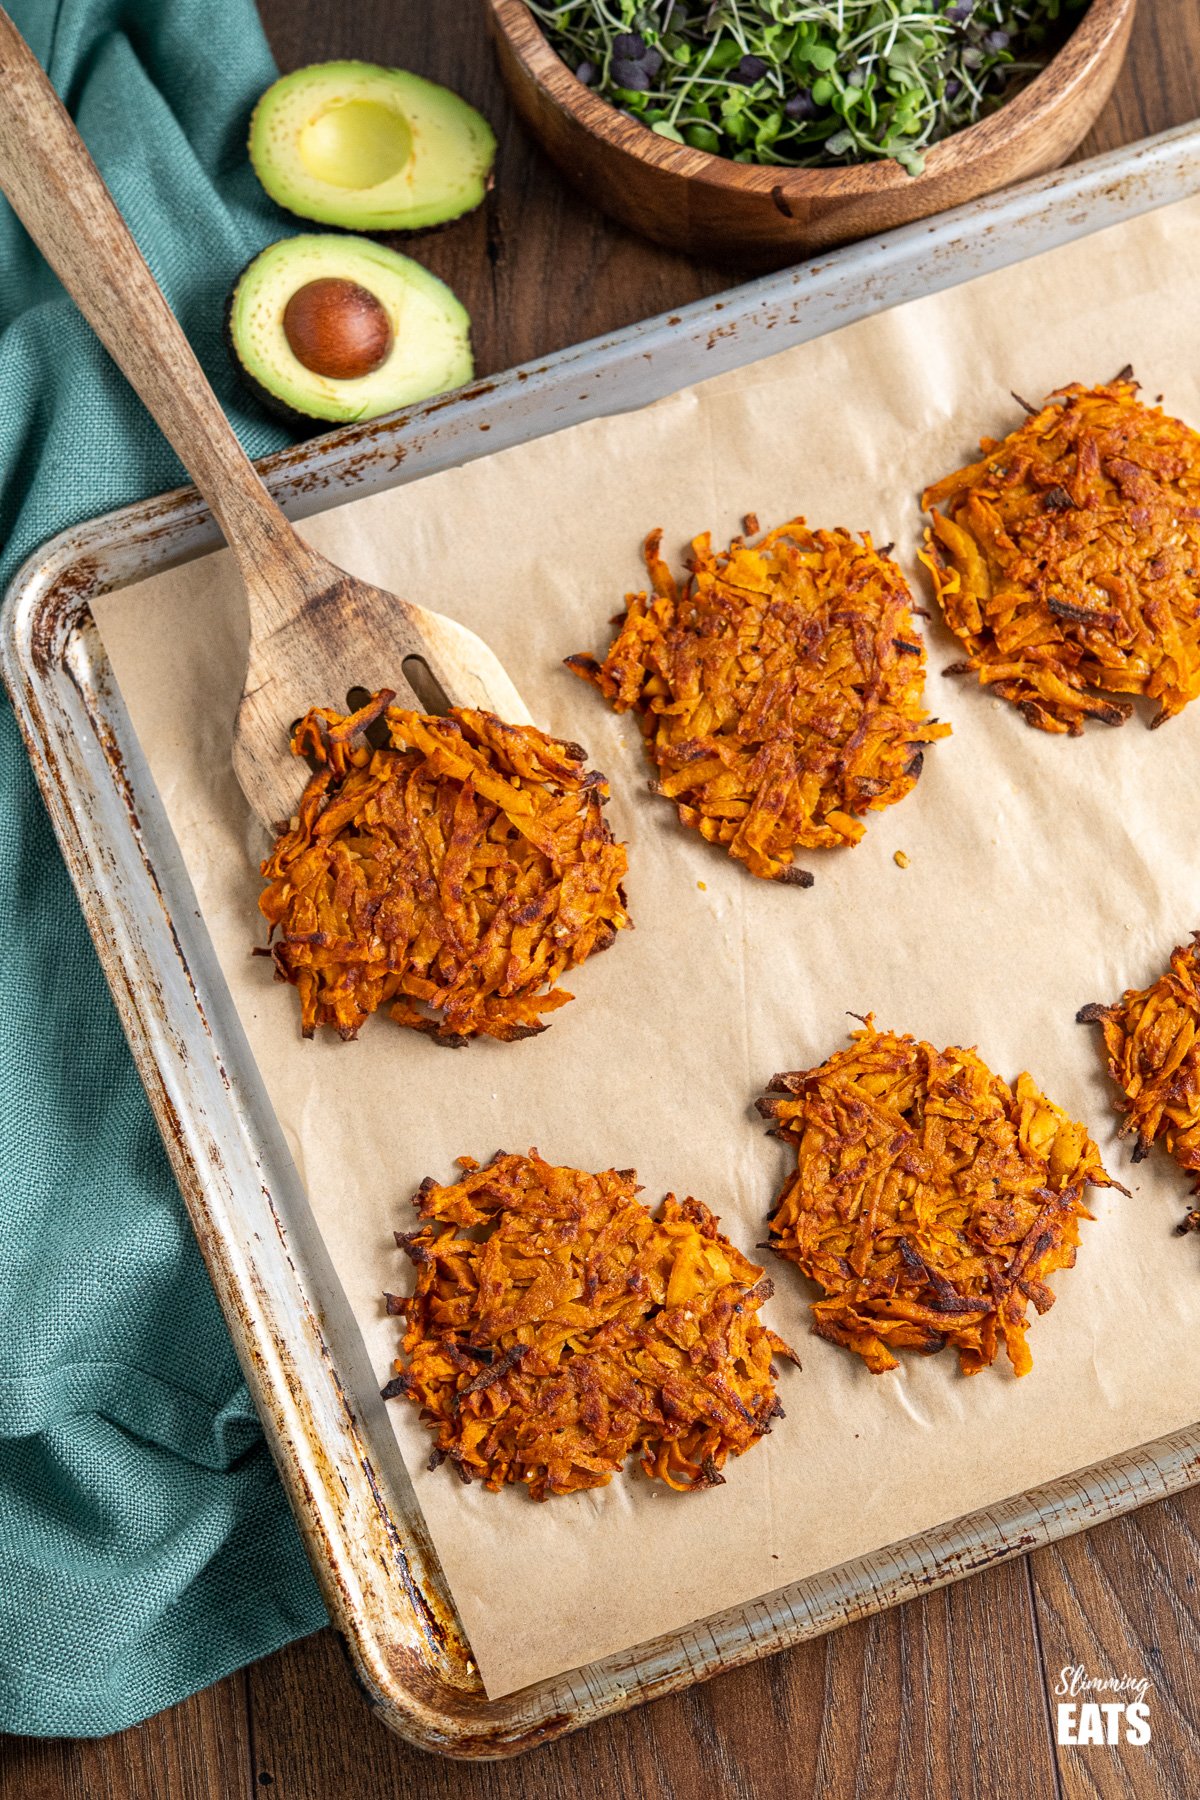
{"x":198,"y":1751}
{"x":756,"y":217}
{"x":1125,"y":1599}
{"x":945,"y":1699}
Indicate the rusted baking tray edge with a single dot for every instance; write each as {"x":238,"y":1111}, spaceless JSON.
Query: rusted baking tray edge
{"x":321,"y":1411}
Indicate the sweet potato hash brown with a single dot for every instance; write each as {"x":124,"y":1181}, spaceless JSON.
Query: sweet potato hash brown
{"x":1152,"y":1037}
{"x":556,"y":1327}
{"x":1067,"y":560}
{"x":453,"y":872}
{"x":930,"y":1201}
{"x":779,"y":690}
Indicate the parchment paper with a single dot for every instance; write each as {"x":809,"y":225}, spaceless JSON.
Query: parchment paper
{"x":1044,"y":872}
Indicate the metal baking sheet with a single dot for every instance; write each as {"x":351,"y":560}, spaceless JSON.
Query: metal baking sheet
{"x":318,"y":1400}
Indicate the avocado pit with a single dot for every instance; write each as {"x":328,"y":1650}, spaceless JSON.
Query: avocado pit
{"x":337,"y":329}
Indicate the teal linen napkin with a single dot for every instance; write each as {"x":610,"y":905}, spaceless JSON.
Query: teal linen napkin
{"x":145,"y":1544}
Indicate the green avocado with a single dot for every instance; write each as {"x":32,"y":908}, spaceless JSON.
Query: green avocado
{"x":330,"y":327}
{"x":370,"y":149}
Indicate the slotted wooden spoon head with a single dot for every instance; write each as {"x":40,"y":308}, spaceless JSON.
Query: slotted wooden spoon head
{"x":316,"y":633}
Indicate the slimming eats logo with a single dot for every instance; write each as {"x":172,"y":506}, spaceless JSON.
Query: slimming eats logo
{"x":1102,"y":1709}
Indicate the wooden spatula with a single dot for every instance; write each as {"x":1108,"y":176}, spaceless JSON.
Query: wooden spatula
{"x":314,"y":631}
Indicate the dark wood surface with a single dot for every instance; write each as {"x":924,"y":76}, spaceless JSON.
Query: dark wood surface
{"x":948,"y":1698}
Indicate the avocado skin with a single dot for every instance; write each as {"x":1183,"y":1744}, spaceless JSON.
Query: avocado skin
{"x":304,"y":424}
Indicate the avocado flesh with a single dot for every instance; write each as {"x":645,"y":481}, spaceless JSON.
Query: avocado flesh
{"x":431,"y":332}
{"x":369,"y":148}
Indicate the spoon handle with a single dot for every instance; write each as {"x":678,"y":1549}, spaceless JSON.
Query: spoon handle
{"x":59,"y":196}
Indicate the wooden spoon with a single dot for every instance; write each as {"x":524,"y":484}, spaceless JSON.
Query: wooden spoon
{"x":314,"y":631}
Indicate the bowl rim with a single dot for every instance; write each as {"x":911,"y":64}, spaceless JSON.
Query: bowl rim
{"x":1067,"y":72}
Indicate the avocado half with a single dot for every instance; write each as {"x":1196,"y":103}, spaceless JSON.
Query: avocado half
{"x":370,"y":149}
{"x":323,"y":326}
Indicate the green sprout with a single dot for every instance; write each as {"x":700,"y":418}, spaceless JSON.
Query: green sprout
{"x":802,"y":83}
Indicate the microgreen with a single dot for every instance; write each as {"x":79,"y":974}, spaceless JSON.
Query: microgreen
{"x":806,"y":82}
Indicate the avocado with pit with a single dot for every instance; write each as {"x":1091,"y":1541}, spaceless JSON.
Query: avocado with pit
{"x":370,"y":149}
{"x":337,"y":328}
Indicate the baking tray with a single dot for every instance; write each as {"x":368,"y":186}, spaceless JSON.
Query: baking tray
{"x":303,"y":1360}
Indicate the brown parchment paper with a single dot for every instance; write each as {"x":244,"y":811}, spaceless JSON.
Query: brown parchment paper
{"x":1044,"y":872}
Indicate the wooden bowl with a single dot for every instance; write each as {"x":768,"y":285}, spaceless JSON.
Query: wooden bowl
{"x":762,"y":217}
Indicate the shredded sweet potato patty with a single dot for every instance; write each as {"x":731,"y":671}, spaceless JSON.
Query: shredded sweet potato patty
{"x":930,"y":1201}
{"x":456,"y":872}
{"x":779,"y":690}
{"x":556,"y":1328}
{"x":1068,"y":559}
{"x":1152,"y":1037}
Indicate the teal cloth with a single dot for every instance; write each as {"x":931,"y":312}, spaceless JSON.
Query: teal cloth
{"x":146,"y":1547}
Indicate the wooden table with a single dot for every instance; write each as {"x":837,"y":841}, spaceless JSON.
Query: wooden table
{"x":948,"y":1697}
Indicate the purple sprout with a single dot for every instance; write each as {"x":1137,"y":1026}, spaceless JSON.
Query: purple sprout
{"x":801,"y":105}
{"x":751,"y":68}
{"x":629,"y":46}
{"x":630,"y":75}
{"x":587,"y":73}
